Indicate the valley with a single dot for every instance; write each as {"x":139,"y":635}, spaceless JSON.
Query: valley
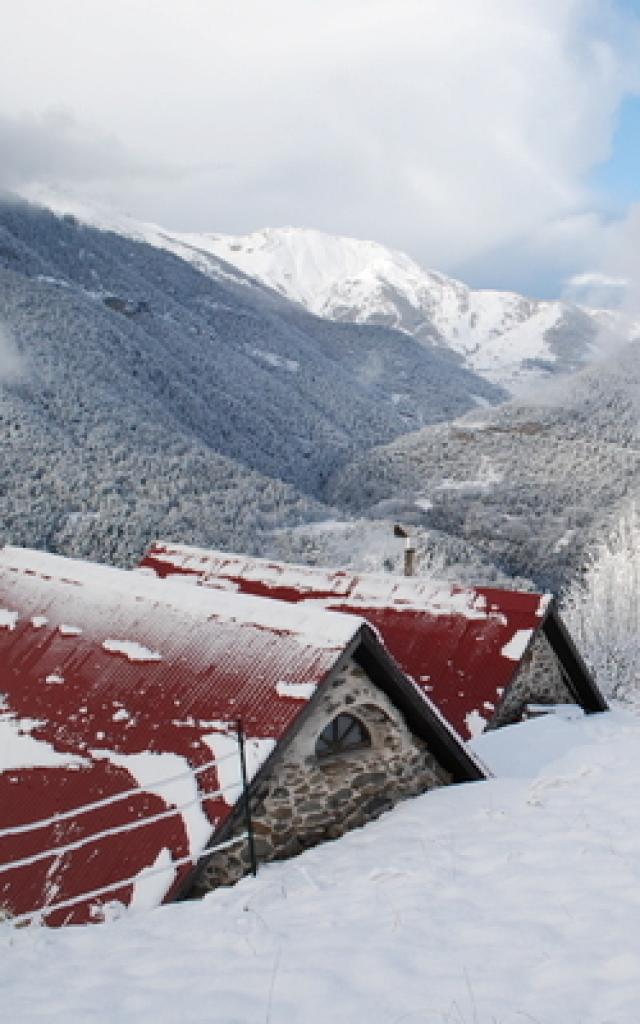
{"x":223,"y":392}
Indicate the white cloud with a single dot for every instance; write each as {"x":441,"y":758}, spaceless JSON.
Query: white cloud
{"x":10,"y":360}
{"x":621,"y":258}
{"x":598,"y":290}
{"x":612,"y":279}
{"x":448,"y":130}
{"x":55,"y":145}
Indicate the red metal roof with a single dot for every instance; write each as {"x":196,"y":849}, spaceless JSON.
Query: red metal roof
{"x":110,"y":683}
{"x":461,"y":645}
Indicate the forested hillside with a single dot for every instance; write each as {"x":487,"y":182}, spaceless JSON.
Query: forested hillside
{"x":152,"y":394}
{"x":148,"y":397}
{"x":532,"y":487}
{"x":512,"y":340}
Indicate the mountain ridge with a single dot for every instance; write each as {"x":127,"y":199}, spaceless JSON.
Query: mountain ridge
{"x":513,"y":341}
{"x":156,"y":398}
{"x":509,"y":339}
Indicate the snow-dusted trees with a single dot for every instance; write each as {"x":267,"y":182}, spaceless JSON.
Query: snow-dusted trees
{"x":602,"y":608}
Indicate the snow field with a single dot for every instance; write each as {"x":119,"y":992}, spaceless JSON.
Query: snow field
{"x":514,"y":900}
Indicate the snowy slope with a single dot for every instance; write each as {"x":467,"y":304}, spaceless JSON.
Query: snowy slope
{"x":510,"y":339}
{"x":532,"y":484}
{"x":193,"y":351}
{"x":187,"y":398}
{"x":502,"y":902}
{"x":105,"y":218}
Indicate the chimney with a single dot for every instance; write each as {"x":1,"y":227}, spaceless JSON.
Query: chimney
{"x":409,"y":549}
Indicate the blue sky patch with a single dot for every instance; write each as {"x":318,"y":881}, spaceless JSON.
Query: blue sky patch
{"x":618,"y":179}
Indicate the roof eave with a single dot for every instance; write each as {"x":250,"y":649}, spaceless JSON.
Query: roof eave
{"x":578,"y":675}
{"x":421,"y":715}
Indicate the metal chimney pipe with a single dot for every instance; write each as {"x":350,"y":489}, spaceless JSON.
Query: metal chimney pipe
{"x":409,"y":558}
{"x":409,"y":549}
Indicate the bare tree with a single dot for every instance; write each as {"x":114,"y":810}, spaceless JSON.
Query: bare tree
{"x":602,"y":608}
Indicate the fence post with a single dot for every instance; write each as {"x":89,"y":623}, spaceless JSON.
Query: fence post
{"x":246,"y":800}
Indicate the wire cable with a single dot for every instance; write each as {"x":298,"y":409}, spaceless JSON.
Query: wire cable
{"x":130,"y":826}
{"x":114,"y":886}
{"x":33,"y":826}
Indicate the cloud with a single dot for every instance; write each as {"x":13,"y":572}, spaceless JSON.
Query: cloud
{"x":452,"y":131}
{"x":10,"y":360}
{"x":540,"y":258}
{"x":612,"y":277}
{"x":598,"y":290}
{"x":621,"y":259}
{"x":54,"y":146}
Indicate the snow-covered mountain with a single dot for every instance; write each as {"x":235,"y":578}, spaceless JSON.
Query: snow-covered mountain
{"x":531,"y":485}
{"x":147,"y":395}
{"x":513,"y":341}
{"x":203,"y":378}
{"x":510,"y":339}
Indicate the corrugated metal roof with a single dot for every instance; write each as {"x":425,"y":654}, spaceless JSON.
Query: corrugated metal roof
{"x":461,"y":645}
{"x":112,"y":681}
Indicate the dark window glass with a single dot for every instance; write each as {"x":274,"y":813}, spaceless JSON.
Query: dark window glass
{"x":342,"y":734}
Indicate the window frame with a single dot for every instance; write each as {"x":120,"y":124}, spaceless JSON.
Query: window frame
{"x":331,"y":741}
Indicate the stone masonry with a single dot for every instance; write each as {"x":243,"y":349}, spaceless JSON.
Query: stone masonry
{"x":540,"y":680}
{"x":306,"y":800}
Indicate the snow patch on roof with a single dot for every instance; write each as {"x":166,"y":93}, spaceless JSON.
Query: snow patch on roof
{"x":300,"y":691}
{"x":149,"y":890}
{"x":435,"y":597}
{"x":423,"y":503}
{"x":216,"y":584}
{"x":475,"y":723}
{"x":223,"y":746}
{"x":131,"y":650}
{"x":169,"y":777}
{"x":69,"y":630}
{"x":517,"y":645}
{"x":54,"y":678}
{"x":204,"y":723}
{"x":38,"y":621}
{"x":8,"y":619}
{"x":18,"y":749}
{"x":545,"y":601}
{"x":310,"y":626}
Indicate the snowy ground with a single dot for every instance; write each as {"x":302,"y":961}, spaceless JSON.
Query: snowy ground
{"x":504,"y":902}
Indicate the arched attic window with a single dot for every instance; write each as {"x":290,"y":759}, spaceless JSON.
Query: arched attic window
{"x":343,"y":734}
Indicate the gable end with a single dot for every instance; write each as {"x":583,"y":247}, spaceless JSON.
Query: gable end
{"x":421,"y":715}
{"x":299,"y":799}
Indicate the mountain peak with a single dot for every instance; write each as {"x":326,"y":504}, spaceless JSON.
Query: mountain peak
{"x":508,"y":338}
{"x":512,"y":341}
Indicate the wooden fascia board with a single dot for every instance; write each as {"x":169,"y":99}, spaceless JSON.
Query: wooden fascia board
{"x":422,"y":718}
{"x":578,"y":675}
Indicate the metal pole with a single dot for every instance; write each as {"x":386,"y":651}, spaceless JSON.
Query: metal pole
{"x":246,"y":801}
{"x":409,"y":559}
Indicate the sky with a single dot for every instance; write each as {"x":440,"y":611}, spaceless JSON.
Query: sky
{"x":497,"y":140}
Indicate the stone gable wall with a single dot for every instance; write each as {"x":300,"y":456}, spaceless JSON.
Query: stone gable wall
{"x":307,"y":800}
{"x":540,"y":680}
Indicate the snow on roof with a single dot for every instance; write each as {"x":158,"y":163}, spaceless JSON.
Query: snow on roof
{"x":151,"y":678}
{"x":220,"y":570}
{"x":461,"y":645}
{"x":305,"y":625}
